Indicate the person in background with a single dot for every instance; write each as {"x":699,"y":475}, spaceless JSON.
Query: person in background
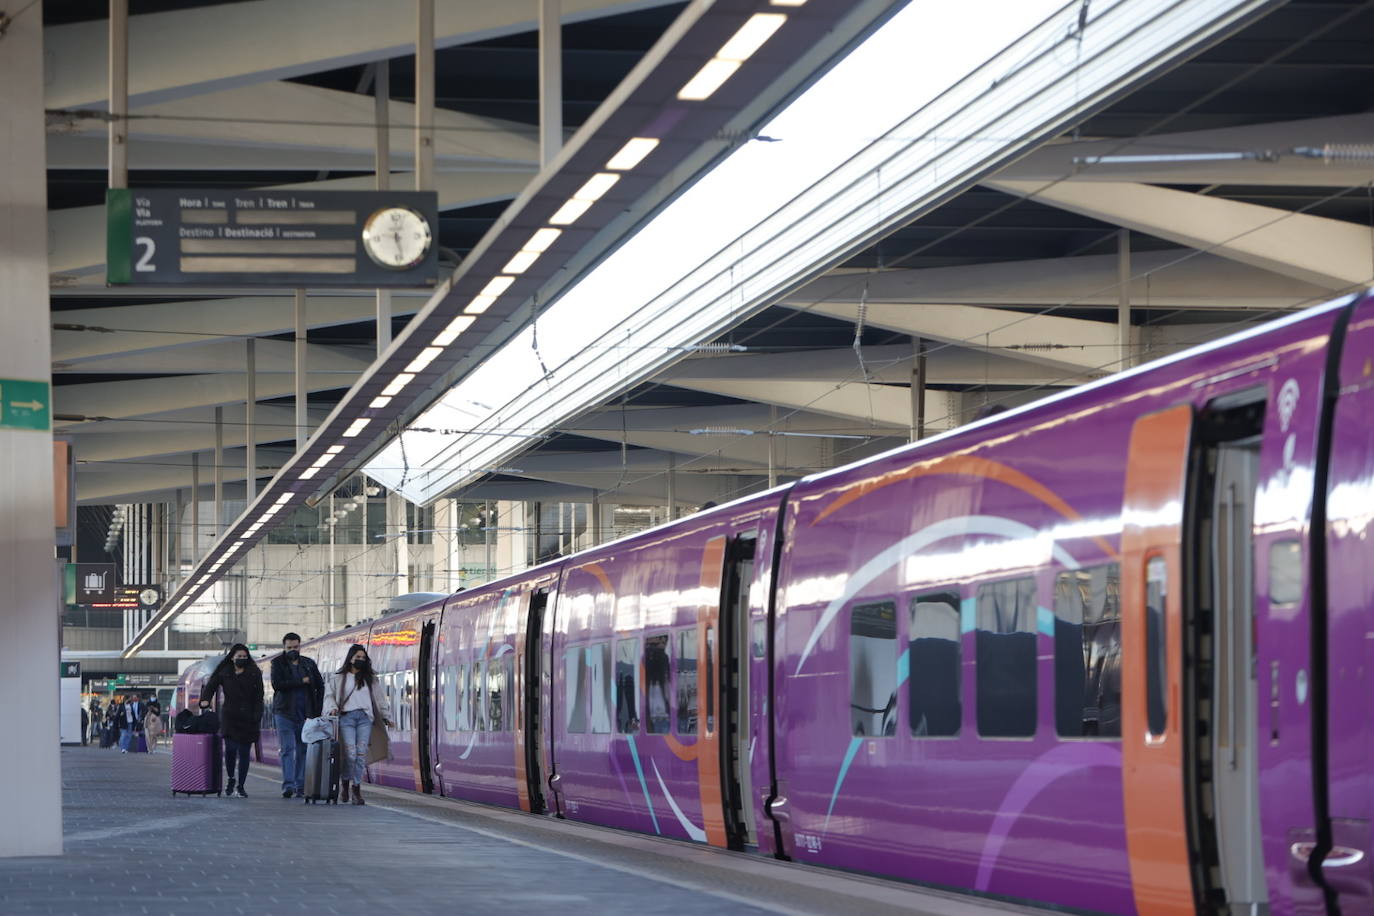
{"x":152,"y":723}
{"x":297,"y":695}
{"x":240,"y":712}
{"x":133,"y":710}
{"x":96,"y":720}
{"x":354,"y":695}
{"x":85,"y":725}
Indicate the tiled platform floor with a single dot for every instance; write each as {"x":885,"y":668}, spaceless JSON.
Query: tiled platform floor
{"x":134,"y":849}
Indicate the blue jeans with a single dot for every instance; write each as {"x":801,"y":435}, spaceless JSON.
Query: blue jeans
{"x":292,"y":751}
{"x":355,"y":734}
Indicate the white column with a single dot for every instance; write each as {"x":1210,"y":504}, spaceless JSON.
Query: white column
{"x":118,"y":131}
{"x":1123,"y":301}
{"x":398,"y":540}
{"x":550,"y":81}
{"x":424,"y":95}
{"x":302,"y":418}
{"x":219,"y":473}
{"x":381,"y":93}
{"x":30,"y":771}
{"x":250,"y":403}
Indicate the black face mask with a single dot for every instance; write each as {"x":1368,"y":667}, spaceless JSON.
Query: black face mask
{"x":293,"y":654}
{"x":240,"y":662}
{"x":205,"y":707}
{"x":360,"y":664}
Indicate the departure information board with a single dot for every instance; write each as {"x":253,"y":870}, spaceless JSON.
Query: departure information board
{"x":266,"y":237}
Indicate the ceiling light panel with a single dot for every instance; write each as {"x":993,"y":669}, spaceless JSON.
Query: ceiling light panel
{"x":568,"y":213}
{"x":521,"y":262}
{"x":709,"y":78}
{"x":751,"y":36}
{"x":399,"y":382}
{"x":632,"y":153}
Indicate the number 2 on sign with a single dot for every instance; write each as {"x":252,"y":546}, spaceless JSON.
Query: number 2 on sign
{"x":145,"y":262}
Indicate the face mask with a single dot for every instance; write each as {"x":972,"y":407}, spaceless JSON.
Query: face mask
{"x":360,"y":664}
{"x":205,"y":707}
{"x":293,"y":654}
{"x":240,"y":662}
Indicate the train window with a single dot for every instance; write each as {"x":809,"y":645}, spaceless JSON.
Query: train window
{"x":498,"y":694}
{"x":873,"y":669}
{"x":1156,"y":646}
{"x":709,"y":664}
{"x":934,"y":688}
{"x":1087,"y":653}
{"x":599,"y":665}
{"x":687,"y":681}
{"x":476,"y":687}
{"x":626,"y":686}
{"x":1285,"y":572}
{"x":657,"y":687}
{"x":448,"y":684}
{"x":758,"y":638}
{"x":575,"y":666}
{"x":1004,"y":643}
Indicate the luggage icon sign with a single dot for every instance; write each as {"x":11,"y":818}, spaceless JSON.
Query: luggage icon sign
{"x":94,"y":583}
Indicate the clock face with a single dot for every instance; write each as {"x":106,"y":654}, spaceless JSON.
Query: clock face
{"x":148,"y":597}
{"x":396,"y":237}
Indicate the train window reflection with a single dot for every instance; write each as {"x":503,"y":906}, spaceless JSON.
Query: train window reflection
{"x":476,"y":688}
{"x":687,"y":682}
{"x":1087,"y":653}
{"x":448,"y":686}
{"x":1285,"y":572}
{"x":575,"y":665}
{"x":1004,"y":644}
{"x":758,"y":638}
{"x":1156,"y":645}
{"x":599,"y":664}
{"x":460,"y":690}
{"x":937,"y":708}
{"x":627,"y":686}
{"x":873,"y":669}
{"x":657,"y":689}
{"x":498,"y":694}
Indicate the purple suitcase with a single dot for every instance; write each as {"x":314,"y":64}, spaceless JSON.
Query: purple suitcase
{"x":195,"y":764}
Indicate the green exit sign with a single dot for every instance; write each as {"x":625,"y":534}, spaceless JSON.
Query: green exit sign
{"x":25,"y":404}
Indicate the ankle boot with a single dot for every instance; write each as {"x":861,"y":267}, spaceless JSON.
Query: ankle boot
{"x":358,"y":795}
{"x":229,"y":790}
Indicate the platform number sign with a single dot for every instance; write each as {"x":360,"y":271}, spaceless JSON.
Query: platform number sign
{"x":271,"y":237}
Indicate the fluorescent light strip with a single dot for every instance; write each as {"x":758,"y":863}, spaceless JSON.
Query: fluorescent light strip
{"x":399,"y":382}
{"x":423,"y":358}
{"x":308,"y":473}
{"x":334,"y":450}
{"x":358,"y":426}
{"x":285,"y":498}
{"x":709,"y":78}
{"x":520,"y":262}
{"x":497,"y":285}
{"x":479,"y":304}
{"x":596,"y":186}
{"x":541,"y":240}
{"x":379,"y":403}
{"x":632,"y":153}
{"x":567,"y":214}
{"x":455,"y":327}
{"x":751,"y":36}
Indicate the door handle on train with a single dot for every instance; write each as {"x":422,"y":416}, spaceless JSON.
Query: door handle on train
{"x":556,"y":783}
{"x":776,"y":808}
{"x":1338,"y":857}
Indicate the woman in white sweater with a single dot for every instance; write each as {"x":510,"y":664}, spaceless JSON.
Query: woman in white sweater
{"x":354,"y":695}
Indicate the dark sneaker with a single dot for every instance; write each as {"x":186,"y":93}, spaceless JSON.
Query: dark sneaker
{"x":287,"y":793}
{"x":229,"y":790}
{"x":241,"y":793}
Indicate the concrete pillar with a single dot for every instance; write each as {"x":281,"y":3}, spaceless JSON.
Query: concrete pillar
{"x":424,"y":95}
{"x":398,"y":540}
{"x":302,"y":421}
{"x":381,"y":93}
{"x":30,"y":770}
{"x":1123,"y":303}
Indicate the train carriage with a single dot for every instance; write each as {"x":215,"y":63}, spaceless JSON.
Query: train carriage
{"x":1108,"y":652}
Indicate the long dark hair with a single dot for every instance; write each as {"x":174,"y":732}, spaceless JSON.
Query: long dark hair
{"x":226,"y":664}
{"x":360,"y":677}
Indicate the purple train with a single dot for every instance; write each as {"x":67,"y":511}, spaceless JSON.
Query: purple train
{"x":1110,"y":652}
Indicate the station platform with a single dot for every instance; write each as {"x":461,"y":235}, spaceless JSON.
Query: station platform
{"x":134,"y":849}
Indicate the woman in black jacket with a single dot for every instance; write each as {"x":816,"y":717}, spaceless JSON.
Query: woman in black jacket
{"x":240,"y":712}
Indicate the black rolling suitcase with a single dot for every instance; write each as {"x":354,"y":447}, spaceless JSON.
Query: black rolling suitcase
{"x":322,"y":772}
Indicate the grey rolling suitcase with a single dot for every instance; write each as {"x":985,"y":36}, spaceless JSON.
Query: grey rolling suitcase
{"x":322,"y":772}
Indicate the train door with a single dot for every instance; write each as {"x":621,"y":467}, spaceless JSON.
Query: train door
{"x":1152,"y":746}
{"x":423,"y":704}
{"x":734,"y":661}
{"x":536,"y":668}
{"x":1220,"y":628}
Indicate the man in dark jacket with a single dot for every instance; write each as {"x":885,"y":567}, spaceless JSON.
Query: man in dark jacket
{"x":298,"y":694}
